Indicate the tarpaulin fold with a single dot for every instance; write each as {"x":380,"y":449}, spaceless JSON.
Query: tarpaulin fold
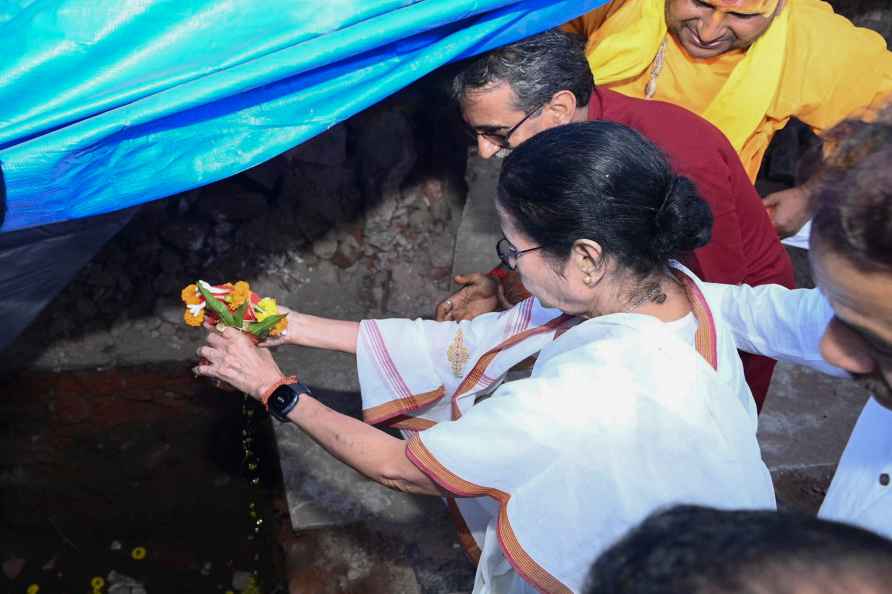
{"x":106,"y":104}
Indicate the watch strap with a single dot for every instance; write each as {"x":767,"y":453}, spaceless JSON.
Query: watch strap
{"x":264,"y":398}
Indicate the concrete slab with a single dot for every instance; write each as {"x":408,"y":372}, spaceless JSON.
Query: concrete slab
{"x":478,"y":232}
{"x":807,"y":419}
{"x":321,"y":490}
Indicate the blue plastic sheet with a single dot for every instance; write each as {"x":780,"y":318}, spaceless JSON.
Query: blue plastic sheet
{"x":106,"y":104}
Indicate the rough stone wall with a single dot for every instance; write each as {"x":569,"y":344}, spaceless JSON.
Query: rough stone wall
{"x":360,"y":200}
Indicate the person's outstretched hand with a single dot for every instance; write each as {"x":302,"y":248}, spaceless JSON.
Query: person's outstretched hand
{"x":291,"y":333}
{"x":232,"y":357}
{"x":478,"y":295}
{"x":789,"y":210}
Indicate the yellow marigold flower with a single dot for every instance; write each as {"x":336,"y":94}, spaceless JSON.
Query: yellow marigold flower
{"x":240,"y":293}
{"x":190,"y":295}
{"x":193,"y":320}
{"x":265,"y":308}
{"x":279,"y":327}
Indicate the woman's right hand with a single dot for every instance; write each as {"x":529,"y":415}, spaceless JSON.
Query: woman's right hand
{"x":231,"y":357}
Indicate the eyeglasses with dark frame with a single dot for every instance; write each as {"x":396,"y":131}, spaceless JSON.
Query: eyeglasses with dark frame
{"x":504,"y":140}
{"x":509,"y":254}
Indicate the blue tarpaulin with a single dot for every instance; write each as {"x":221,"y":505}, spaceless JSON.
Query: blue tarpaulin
{"x":106,"y":104}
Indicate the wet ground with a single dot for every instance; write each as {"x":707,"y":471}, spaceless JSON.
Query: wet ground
{"x":136,"y":480}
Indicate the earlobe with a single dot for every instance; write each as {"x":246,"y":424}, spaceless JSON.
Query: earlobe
{"x":585,"y":256}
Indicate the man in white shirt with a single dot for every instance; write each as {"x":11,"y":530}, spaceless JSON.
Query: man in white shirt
{"x":845,"y":326}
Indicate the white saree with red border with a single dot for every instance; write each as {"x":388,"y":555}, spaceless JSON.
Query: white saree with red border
{"x":623,"y":414}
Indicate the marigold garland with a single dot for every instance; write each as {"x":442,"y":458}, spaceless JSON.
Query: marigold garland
{"x":193,"y":320}
{"x":232,"y":304}
{"x":190,"y":295}
{"x":240,"y":293}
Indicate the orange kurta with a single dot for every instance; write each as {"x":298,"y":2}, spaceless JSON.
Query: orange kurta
{"x":831,"y":70}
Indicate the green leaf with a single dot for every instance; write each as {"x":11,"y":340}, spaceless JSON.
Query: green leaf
{"x":240,"y":314}
{"x":217,"y":306}
{"x":260,"y":329}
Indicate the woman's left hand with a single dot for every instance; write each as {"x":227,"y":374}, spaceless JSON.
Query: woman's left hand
{"x":232,"y":357}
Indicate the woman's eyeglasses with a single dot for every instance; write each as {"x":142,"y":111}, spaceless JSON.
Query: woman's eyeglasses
{"x":509,"y":254}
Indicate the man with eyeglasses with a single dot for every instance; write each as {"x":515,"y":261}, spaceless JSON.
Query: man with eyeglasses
{"x":519,"y":90}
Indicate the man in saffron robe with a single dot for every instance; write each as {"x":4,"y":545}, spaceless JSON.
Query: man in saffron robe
{"x":516,"y":92}
{"x":747,"y":66}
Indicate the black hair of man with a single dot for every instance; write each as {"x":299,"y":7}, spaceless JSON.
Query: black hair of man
{"x":853,"y":192}
{"x":699,"y":550}
{"x":604,"y":182}
{"x":536,"y":68}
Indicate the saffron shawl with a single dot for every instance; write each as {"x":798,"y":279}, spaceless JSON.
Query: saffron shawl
{"x":626,"y":44}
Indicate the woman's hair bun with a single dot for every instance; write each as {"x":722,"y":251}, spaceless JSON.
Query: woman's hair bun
{"x":607,"y":183}
{"x":683,"y":222}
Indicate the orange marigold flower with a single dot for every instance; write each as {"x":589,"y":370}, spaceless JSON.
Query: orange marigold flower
{"x":239,"y":295}
{"x":190,"y":295}
{"x":193,"y":320}
{"x":279,"y":327}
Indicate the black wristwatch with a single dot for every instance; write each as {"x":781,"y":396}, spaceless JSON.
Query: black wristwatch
{"x":284,"y":399}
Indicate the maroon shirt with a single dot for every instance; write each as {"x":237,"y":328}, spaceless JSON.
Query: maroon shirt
{"x":744,"y":247}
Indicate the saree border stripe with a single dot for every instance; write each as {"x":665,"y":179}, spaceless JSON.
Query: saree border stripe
{"x":524,"y":314}
{"x":522,"y":562}
{"x":410,"y":423}
{"x":376,"y":344}
{"x":401,"y":406}
{"x":705,"y":340}
{"x":479,"y":369}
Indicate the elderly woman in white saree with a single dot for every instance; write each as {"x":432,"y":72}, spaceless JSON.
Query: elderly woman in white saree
{"x":636,"y":401}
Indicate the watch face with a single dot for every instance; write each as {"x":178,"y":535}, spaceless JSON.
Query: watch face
{"x":281,"y":401}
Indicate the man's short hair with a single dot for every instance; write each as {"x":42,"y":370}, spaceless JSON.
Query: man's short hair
{"x":852,"y":196}
{"x":698,"y":550}
{"x":536,"y":68}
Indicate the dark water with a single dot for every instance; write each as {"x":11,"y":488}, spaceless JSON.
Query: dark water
{"x":138,"y":471}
